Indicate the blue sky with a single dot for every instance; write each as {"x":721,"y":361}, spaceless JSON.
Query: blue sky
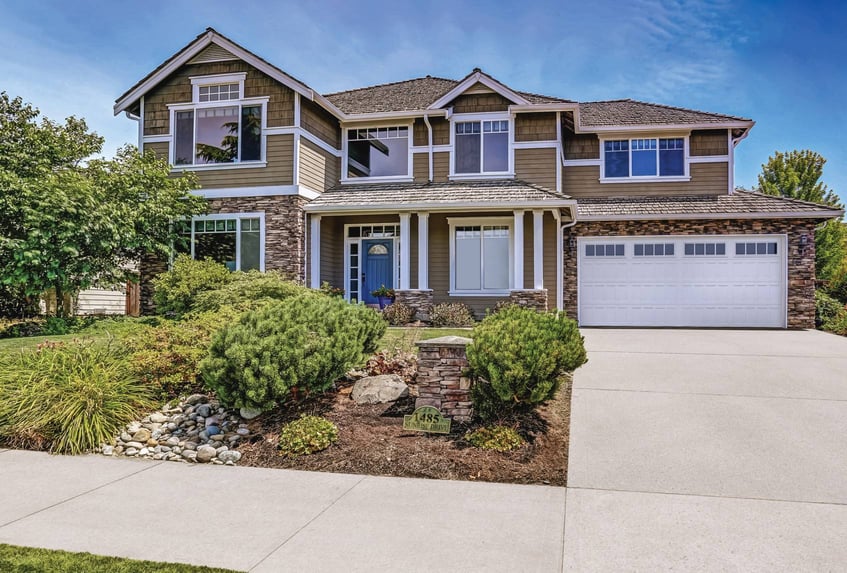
{"x":779,"y":63}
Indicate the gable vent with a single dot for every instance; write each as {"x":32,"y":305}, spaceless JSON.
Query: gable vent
{"x":213,"y":53}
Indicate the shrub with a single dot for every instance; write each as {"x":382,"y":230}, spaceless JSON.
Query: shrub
{"x":404,"y":364}
{"x":68,"y":398}
{"x":49,"y":326}
{"x":305,"y":342}
{"x":826,"y":308}
{"x":504,"y":304}
{"x":451,"y":314}
{"x":174,"y":291}
{"x":330,"y":290}
{"x":518,"y":358}
{"x":249,"y":290}
{"x":14,"y":303}
{"x":837,"y":324}
{"x":398,"y":314}
{"x":307,"y":435}
{"x":167,"y":356}
{"x":497,"y":438}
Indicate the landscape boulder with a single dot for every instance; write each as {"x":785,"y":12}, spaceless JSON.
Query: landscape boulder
{"x":379,"y":389}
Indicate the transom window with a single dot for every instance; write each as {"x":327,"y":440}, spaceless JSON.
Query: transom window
{"x":652,"y":157}
{"x":482,"y":147}
{"x":610,"y":250}
{"x":232,"y":241}
{"x":760,"y":248}
{"x":705,"y":249}
{"x":654,"y":249}
{"x":378,"y":152}
{"x":219,"y":92}
{"x":481,"y":258}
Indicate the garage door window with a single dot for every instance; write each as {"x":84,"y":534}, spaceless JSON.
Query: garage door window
{"x":604,"y":250}
{"x":654,"y":249}
{"x":764,"y":248}
{"x":705,"y":249}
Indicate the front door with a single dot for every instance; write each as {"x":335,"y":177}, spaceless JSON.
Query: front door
{"x":378,"y":268}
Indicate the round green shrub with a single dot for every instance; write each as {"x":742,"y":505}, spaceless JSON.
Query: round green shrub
{"x":497,"y":438}
{"x":518,"y":358}
{"x":306,"y":342}
{"x":249,"y":290}
{"x":174,"y":291}
{"x":826,"y":308}
{"x":398,"y":314}
{"x":307,"y":435}
{"x":451,"y":314}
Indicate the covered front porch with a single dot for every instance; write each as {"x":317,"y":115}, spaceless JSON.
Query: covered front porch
{"x":431,"y":250}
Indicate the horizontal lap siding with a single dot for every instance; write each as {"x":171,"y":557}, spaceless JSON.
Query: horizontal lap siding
{"x":420,"y":168}
{"x":706,"y":179}
{"x":280,"y":156}
{"x":332,"y":251}
{"x":536,"y":166}
{"x":709,"y":142}
{"x":318,"y":168}
{"x":535,"y":127}
{"x":101,"y":301}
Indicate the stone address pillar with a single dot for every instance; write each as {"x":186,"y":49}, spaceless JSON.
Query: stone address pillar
{"x":441,"y":381}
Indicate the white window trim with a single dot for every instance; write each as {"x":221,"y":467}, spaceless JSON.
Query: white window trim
{"x":217,"y":79}
{"x":480,"y":117}
{"x":686,"y":160}
{"x":409,"y":177}
{"x":454,"y":222}
{"x":348,"y":240}
{"x":194,"y":106}
{"x":237,"y":216}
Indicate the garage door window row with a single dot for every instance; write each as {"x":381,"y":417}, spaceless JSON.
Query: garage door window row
{"x":654,"y":249}
{"x":765,"y":248}
{"x":705,"y":249}
{"x":604,"y":250}
{"x":710,"y":249}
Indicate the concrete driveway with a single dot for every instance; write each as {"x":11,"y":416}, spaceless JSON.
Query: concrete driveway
{"x":708,"y":450}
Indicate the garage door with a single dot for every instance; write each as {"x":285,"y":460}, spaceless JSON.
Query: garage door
{"x":682,"y":281}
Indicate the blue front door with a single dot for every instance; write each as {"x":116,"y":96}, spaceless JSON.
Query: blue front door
{"x":378,"y":268}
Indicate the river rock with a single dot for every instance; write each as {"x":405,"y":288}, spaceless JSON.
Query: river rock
{"x":249,"y":413}
{"x":142,"y":435}
{"x":205,"y":454}
{"x":379,"y":389}
{"x":229,"y":456}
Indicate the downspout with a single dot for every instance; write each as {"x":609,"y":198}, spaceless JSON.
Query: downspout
{"x":429,"y":144}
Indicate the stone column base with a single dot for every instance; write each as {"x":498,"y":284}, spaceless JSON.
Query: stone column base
{"x":419,"y":300}
{"x":441,"y":380}
{"x":530,"y":298}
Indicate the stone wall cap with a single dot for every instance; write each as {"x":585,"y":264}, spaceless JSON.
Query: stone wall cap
{"x":456,"y":341}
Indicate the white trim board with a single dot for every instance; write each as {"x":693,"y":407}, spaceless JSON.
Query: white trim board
{"x":264,"y":191}
{"x":672,"y":217}
{"x":484,"y":79}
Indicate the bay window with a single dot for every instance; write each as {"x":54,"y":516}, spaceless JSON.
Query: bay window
{"x":481,"y":147}
{"x":235,"y":241}
{"x":644,"y":157}
{"x":481,"y":258}
{"x":378,"y":152}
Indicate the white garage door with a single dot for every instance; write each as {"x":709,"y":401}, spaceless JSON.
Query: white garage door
{"x":682,"y":281}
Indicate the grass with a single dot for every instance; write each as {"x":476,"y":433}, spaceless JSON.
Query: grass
{"x":404,"y":337}
{"x":14,"y":559}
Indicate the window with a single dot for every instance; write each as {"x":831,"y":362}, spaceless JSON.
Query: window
{"x":232,"y":241}
{"x":218,"y":135}
{"x":654,"y":249}
{"x":378,"y":152}
{"x":482,"y":255}
{"x":604,"y":250}
{"x":662,"y":157}
{"x":219,"y":92}
{"x":765,"y":248}
{"x":482,"y":147}
{"x":705,"y":249}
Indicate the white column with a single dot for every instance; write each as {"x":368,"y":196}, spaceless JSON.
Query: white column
{"x":315,"y":262}
{"x":405,"y":253}
{"x":518,"y":277}
{"x":538,"y":249}
{"x":423,"y":251}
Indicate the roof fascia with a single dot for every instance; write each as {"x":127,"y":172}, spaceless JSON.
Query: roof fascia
{"x":759,"y":215}
{"x":574,"y":107}
{"x":484,"y":79}
{"x":665,"y":126}
{"x":376,"y":116}
{"x":436,"y":206}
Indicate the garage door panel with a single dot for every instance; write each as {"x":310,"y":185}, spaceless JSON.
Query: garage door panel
{"x":700,"y":289}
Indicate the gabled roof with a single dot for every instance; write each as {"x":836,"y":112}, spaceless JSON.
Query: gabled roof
{"x":201,"y":42}
{"x":741,"y":204}
{"x":628,"y":112}
{"x":494,"y":194}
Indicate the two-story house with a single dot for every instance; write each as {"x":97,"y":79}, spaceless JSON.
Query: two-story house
{"x":618,"y":212}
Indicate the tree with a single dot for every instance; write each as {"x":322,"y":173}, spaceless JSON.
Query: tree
{"x":68,"y":224}
{"x":796,"y":174}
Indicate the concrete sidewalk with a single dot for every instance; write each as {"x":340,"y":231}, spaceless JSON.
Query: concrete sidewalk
{"x":253,"y":519}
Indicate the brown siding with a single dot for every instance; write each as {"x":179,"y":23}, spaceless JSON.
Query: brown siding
{"x":320,"y":122}
{"x":536,"y":166}
{"x":480,"y":103}
{"x":280,"y":169}
{"x":551,"y":251}
{"x":582,"y":146}
{"x":709,"y":142}
{"x":441,"y":166}
{"x":421,"y":167}
{"x":535,"y":127}
{"x":332,"y":251}
{"x":440,"y":132}
{"x":160,"y":148}
{"x":176,"y":88}
{"x":318,"y":168}
{"x":706,"y":179}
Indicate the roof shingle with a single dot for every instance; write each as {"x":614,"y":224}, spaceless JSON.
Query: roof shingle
{"x":632,"y":112}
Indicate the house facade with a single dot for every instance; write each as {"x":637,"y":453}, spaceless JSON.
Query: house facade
{"x":620,"y":213}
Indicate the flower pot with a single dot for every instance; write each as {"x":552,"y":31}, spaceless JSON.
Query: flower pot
{"x":384,"y":301}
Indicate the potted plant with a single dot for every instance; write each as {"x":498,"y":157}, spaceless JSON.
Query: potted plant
{"x":384,"y":295}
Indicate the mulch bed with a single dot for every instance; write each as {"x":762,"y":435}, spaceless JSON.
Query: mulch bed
{"x":372,"y":441}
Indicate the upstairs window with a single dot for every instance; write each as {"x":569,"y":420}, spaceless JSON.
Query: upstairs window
{"x":219,"y":134}
{"x":482,"y":147}
{"x":650,"y":157}
{"x":218,"y":92}
{"x":378,"y":152}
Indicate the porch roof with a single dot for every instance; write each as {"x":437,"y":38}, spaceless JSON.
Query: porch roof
{"x":495,"y":194}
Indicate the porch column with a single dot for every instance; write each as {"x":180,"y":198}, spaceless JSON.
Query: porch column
{"x":518,"y":270}
{"x":538,"y":249}
{"x":405,"y":252}
{"x":315,"y":261}
{"x":423,"y":251}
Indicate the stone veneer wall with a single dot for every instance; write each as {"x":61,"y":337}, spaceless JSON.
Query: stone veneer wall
{"x":801,"y":265}
{"x":285,"y":238}
{"x":420,"y":300}
{"x":530,"y":298}
{"x":441,"y":380}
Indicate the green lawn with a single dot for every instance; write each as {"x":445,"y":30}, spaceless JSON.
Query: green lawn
{"x":404,"y":338}
{"x":15,"y":559}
